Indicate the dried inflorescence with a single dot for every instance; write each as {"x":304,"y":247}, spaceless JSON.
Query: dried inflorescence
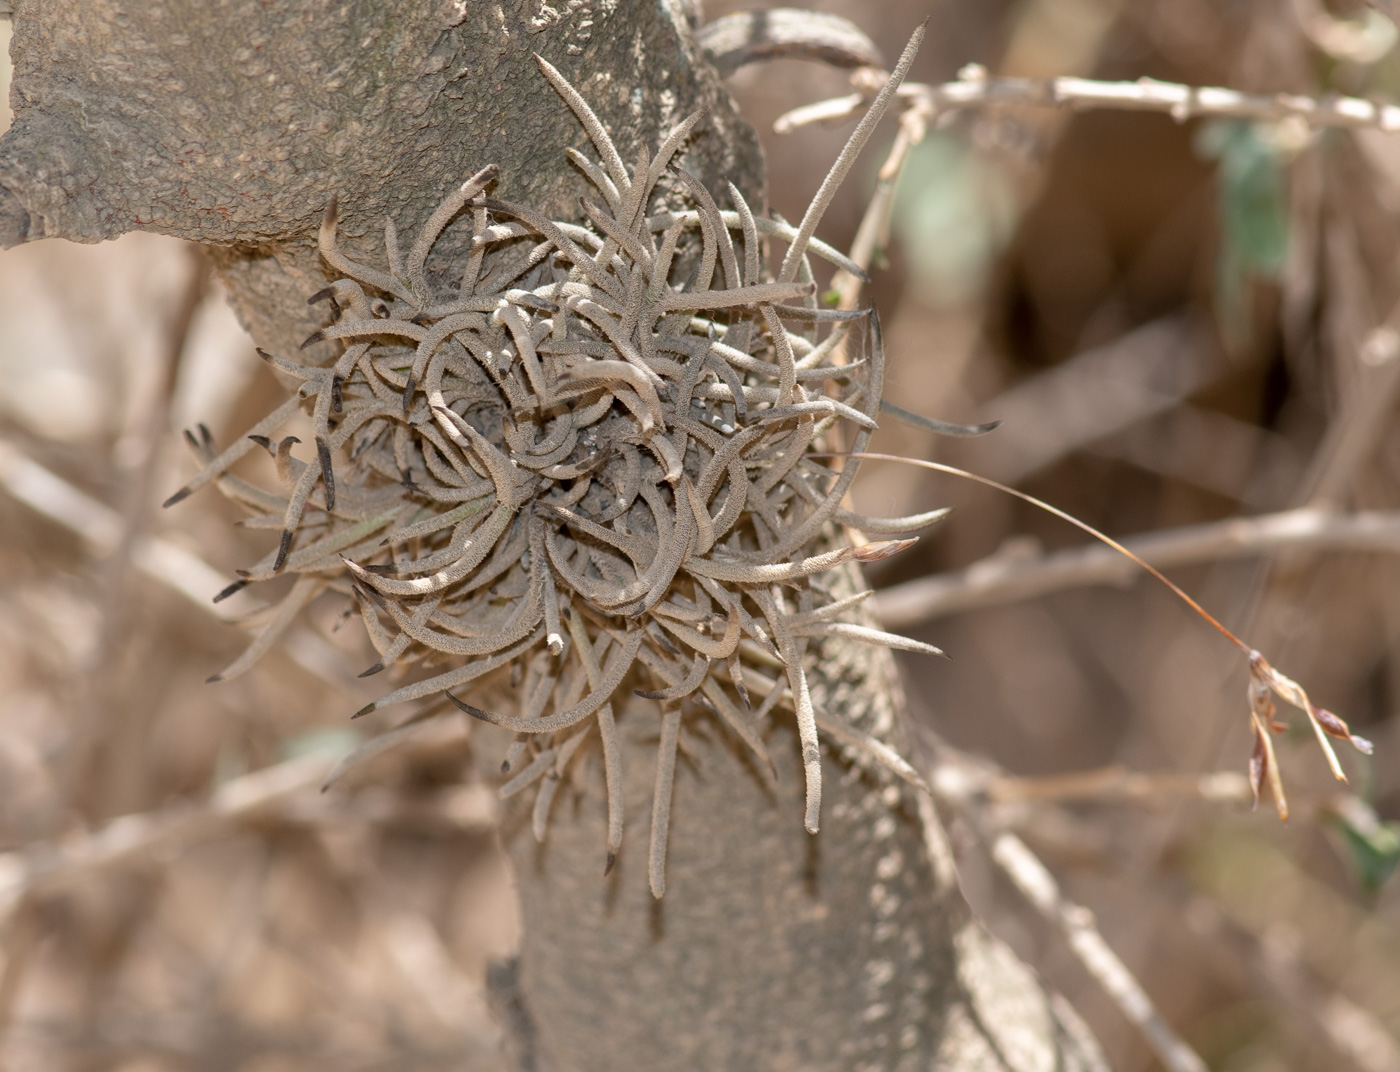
{"x":597,"y":455}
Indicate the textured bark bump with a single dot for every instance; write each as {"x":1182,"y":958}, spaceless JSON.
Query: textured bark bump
{"x":232,"y":123}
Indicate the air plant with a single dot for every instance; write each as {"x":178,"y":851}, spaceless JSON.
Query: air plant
{"x":592,"y":461}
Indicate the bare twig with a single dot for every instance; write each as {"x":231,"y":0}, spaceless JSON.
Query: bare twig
{"x":98,"y":711}
{"x":142,"y":836}
{"x":1117,"y":783}
{"x":744,"y":37}
{"x":288,"y":789}
{"x":1074,"y":922}
{"x":874,"y":231}
{"x":1005,"y":579}
{"x":172,"y":565}
{"x":101,"y":528}
{"x":975,"y":89}
{"x":1352,"y":436}
{"x":1094,"y":394}
{"x":101,"y":722}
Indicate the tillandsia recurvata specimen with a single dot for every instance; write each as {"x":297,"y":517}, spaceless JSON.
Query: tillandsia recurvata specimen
{"x":596,"y":457}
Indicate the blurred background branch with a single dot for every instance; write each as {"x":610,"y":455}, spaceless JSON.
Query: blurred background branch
{"x":975,"y":88}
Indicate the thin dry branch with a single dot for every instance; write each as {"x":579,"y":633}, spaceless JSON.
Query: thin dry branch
{"x":162,"y":560}
{"x":975,"y":89}
{"x":874,"y":231}
{"x":287,"y":790}
{"x":1007,"y":578}
{"x":1096,"y":393}
{"x":744,"y":37}
{"x":1355,"y":431}
{"x":1075,"y":922}
{"x":143,"y":836}
{"x":866,"y":127}
{"x":1117,"y":783}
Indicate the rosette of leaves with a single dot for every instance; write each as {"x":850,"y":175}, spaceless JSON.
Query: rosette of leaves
{"x":593,"y":462}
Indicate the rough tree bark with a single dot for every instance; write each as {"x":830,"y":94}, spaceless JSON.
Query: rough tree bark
{"x":230,"y":123}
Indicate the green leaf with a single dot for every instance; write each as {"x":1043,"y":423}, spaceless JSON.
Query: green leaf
{"x":1252,"y":206}
{"x":955,"y":211}
{"x":1372,"y":845}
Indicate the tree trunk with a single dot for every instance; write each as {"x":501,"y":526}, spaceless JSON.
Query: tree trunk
{"x":231,"y":124}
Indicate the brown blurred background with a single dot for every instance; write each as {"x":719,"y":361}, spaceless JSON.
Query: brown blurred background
{"x":1178,"y":322}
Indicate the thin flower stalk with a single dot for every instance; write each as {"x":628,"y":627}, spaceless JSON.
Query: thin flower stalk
{"x":1265,"y":682}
